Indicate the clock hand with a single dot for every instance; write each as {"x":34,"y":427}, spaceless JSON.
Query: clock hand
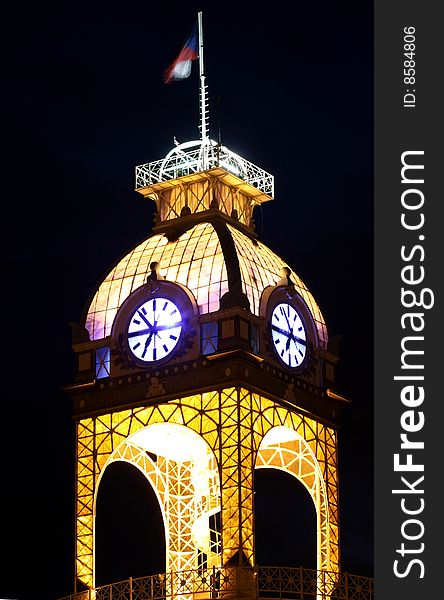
{"x":151,"y":328}
{"x":279,"y":330}
{"x":169,"y":326}
{"x":292,"y":335}
{"x":286,"y":318}
{"x":147,"y":343}
{"x":140,"y":332}
{"x":142,"y":316}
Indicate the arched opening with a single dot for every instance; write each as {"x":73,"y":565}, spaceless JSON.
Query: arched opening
{"x":285,"y":520}
{"x":183,"y":478}
{"x":300,"y":507}
{"x":130,"y":536}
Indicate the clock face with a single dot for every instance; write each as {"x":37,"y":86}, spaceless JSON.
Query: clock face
{"x":288,"y":334}
{"x":154,"y":329}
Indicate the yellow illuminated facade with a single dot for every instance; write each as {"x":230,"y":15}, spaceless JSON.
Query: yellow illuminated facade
{"x":231,"y":422}
{"x":225,"y":396}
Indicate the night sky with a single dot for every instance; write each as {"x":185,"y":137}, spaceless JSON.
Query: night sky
{"x":83,"y":102}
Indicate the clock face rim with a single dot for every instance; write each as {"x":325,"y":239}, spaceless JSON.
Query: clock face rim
{"x":299,"y":316}
{"x":166,"y":355}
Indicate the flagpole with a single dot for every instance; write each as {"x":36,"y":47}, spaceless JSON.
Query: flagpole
{"x":203,"y":87}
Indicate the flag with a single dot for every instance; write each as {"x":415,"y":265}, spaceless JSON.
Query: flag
{"x":180,"y":68}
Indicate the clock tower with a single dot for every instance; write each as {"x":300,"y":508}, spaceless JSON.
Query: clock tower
{"x":201,"y":357}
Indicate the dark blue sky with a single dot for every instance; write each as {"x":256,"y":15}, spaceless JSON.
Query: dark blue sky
{"x":83,"y":103}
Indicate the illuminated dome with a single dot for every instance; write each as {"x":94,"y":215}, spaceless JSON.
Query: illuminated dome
{"x":201,"y":259}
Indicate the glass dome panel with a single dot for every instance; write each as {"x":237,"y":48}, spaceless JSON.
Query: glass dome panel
{"x":194,"y":260}
{"x":260,"y":267}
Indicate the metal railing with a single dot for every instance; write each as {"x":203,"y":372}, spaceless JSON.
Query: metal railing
{"x":193,"y":157}
{"x":261,"y":582}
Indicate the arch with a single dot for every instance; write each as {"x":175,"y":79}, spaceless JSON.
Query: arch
{"x":129,"y":526}
{"x":285,"y":521}
{"x":182,"y":470}
{"x":285,"y":449}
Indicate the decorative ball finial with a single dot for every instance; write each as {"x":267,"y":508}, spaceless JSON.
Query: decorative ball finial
{"x":186,"y":210}
{"x":285,"y":273}
{"x":155,"y":272}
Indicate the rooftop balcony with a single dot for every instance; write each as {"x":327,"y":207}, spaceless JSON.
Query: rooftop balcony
{"x":194,"y":157}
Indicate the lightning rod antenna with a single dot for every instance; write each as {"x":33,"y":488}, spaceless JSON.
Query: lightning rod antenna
{"x":203,"y":88}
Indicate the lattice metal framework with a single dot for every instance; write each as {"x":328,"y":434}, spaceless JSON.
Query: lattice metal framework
{"x":267,"y":582}
{"x":187,"y":492}
{"x":194,"y":157}
{"x":234,"y":424}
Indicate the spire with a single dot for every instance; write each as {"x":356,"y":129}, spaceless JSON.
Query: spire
{"x":203,"y":97}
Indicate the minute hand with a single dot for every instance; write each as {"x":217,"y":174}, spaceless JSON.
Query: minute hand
{"x":290,"y":328}
{"x":142,"y":316}
{"x":147,"y":343}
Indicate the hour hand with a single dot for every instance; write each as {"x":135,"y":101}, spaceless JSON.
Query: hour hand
{"x":279,"y":330}
{"x":298,"y":339}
